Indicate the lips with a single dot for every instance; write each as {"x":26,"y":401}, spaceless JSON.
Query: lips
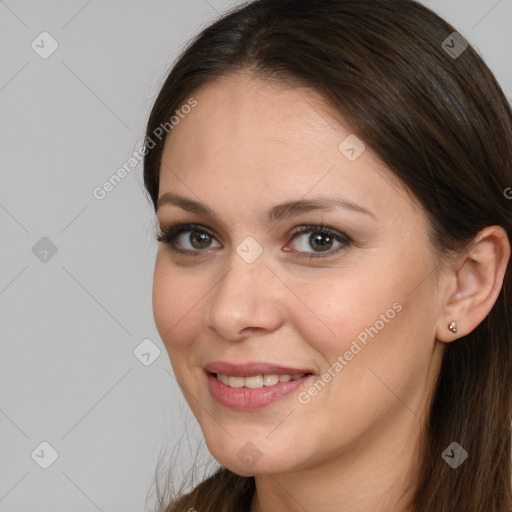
{"x":252,"y":386}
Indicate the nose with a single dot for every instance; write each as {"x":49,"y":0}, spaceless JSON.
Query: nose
{"x":248,"y":298}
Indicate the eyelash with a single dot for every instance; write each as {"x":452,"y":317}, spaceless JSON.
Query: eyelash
{"x":169,"y":234}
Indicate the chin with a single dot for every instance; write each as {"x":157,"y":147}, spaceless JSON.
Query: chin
{"x":251,"y":469}
{"x":245,"y":458}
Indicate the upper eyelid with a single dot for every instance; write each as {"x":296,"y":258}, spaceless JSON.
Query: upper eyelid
{"x":300,"y":229}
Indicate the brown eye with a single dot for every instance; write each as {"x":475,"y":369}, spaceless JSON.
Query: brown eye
{"x":321,"y":239}
{"x":193,"y":240}
{"x":186,"y":238}
{"x":199,"y":240}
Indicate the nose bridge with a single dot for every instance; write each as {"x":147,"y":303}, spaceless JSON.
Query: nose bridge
{"x":245,"y":296}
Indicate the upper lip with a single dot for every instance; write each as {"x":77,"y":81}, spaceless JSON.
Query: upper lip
{"x":250,"y":369}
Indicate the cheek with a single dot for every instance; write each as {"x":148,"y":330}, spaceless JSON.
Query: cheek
{"x":371,"y":320}
{"x":172,"y":303}
{"x":351,"y":307}
{"x":382,"y":340}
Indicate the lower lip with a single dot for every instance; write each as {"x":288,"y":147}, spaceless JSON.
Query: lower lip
{"x":248,"y":399}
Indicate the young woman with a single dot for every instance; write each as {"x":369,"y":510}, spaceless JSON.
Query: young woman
{"x":331,"y":180}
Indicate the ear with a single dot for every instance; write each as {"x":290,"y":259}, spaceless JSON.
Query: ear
{"x":477,"y":283}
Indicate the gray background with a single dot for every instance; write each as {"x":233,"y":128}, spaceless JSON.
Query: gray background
{"x":70,"y":323}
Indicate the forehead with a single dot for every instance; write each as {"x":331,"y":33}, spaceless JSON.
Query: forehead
{"x":244,"y":114}
{"x":253,"y":137}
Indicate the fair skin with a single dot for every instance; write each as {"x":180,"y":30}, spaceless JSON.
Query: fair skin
{"x":248,"y":146}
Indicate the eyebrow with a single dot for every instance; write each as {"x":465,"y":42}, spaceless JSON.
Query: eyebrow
{"x":274,"y":214}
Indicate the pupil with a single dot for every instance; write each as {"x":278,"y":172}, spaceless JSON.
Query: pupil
{"x":201,"y":237}
{"x":314,"y":241}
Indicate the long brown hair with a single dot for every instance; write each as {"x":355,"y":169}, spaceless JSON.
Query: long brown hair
{"x":442,"y":124}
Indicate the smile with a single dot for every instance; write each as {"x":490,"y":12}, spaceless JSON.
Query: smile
{"x":256,"y":381}
{"x":253,"y":391}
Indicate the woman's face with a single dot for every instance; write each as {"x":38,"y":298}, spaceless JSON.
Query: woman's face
{"x":355,"y":308}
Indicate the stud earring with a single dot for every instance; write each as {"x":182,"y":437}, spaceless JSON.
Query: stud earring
{"x":453,"y":327}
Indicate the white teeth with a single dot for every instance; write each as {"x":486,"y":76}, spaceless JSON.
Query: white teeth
{"x":236,"y":382}
{"x":256,"y":381}
{"x":223,"y":378}
{"x":270,"y":380}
